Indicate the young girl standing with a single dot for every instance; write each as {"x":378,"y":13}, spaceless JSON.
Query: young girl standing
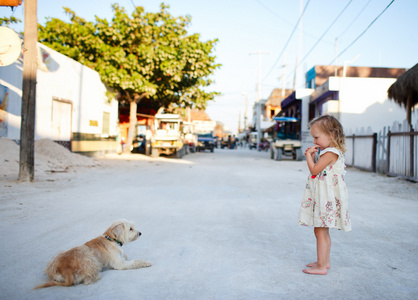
{"x":325,"y":201}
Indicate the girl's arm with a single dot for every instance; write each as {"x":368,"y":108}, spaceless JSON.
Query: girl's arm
{"x":323,"y":161}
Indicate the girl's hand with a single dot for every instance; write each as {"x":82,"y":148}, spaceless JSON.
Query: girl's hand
{"x":311,"y":150}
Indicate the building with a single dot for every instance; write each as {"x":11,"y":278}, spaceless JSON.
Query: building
{"x":273,"y":104}
{"x":357,"y":96}
{"x":318,"y":75}
{"x":296,"y":105}
{"x":358,"y":99}
{"x":71,"y":104}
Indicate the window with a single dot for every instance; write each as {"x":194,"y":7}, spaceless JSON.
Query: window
{"x":106,"y":123}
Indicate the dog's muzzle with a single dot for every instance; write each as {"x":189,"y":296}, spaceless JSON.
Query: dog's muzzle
{"x":139,"y":234}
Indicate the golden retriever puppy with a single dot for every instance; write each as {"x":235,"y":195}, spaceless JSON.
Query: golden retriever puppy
{"x":83,"y":264}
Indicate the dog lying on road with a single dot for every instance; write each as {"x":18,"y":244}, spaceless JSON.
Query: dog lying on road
{"x":83,"y":264}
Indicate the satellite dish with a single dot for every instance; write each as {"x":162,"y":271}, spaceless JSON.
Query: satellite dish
{"x":10,"y":46}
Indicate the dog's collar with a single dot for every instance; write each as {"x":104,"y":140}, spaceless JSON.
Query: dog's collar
{"x":114,"y":240}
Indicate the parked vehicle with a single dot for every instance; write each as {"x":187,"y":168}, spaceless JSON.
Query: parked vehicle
{"x":205,"y":141}
{"x":190,"y":137}
{"x":252,"y":141}
{"x":168,"y":136}
{"x":142,"y":140}
{"x":229,"y":142}
{"x":286,"y":139}
{"x":205,"y":135}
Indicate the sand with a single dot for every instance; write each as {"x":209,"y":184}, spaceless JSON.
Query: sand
{"x":50,"y":157}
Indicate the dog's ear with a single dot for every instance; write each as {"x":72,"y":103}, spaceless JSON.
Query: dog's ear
{"x":116,"y":231}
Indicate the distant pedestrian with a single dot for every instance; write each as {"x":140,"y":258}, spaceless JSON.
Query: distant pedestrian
{"x":325,"y":201}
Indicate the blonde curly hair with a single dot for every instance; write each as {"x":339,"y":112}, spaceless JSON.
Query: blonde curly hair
{"x":332,"y":127}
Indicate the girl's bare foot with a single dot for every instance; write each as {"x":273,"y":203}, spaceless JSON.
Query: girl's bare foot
{"x":315,"y":265}
{"x":315,"y":271}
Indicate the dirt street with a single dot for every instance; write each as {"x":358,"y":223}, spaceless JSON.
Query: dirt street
{"x":219,"y":225}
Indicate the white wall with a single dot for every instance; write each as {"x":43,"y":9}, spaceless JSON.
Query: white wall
{"x":364,"y":102}
{"x":60,"y":78}
{"x":304,"y":95}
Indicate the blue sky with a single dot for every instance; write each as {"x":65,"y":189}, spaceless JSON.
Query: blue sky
{"x":247,"y":26}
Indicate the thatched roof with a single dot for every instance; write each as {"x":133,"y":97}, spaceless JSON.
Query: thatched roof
{"x":404,"y":91}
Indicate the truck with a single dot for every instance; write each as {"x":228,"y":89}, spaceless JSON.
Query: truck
{"x":168,"y":137}
{"x":205,"y":135}
{"x":286,"y":139}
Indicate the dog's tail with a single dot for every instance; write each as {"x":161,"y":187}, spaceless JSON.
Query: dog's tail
{"x":52,"y":283}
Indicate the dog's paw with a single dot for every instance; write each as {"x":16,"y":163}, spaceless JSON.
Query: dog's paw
{"x":142,"y":264}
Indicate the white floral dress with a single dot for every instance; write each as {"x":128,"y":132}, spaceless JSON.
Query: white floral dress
{"x":325,"y":201}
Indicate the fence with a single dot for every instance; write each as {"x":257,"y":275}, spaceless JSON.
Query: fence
{"x":394,"y":151}
{"x":361,"y":151}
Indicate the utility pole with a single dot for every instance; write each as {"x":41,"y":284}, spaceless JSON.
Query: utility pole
{"x":300,"y":43}
{"x":27,"y":127}
{"x":284,"y":76}
{"x":335,"y":57}
{"x":239,"y":122}
{"x":246,"y":113}
{"x":257,"y":103}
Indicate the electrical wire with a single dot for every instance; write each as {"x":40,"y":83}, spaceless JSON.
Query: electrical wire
{"x":358,"y":37}
{"x":278,"y":16}
{"x":325,"y":32}
{"x":132,"y":1}
{"x":364,"y":31}
{"x":358,"y":15}
{"x":286,"y":21}
{"x":288,"y":40}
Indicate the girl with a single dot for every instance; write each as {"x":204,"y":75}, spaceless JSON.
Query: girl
{"x":325,"y":201}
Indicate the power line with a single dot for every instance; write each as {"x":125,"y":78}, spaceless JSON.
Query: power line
{"x":325,"y":32}
{"x":278,"y":16}
{"x":351,"y":24}
{"x":286,"y":21}
{"x":364,"y":31}
{"x":132,"y":1}
{"x":288,"y":40}
{"x":359,"y":36}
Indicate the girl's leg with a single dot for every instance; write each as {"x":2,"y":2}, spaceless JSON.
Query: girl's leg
{"x":323,"y":249}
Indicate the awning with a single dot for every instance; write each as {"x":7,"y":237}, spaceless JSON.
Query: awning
{"x":285,"y":119}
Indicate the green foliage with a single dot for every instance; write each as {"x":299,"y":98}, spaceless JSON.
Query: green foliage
{"x":6,"y":21}
{"x":146,"y":54}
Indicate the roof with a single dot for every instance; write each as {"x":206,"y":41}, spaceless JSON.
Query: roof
{"x":405,"y":90}
{"x":275,"y":97}
{"x":322,"y":73}
{"x":196,"y":114}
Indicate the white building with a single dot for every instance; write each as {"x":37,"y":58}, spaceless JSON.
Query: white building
{"x":71,"y":104}
{"x":357,"y":96}
{"x":359,"y":100}
{"x":358,"y":103}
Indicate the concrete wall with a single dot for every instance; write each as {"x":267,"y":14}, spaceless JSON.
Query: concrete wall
{"x":304,"y":95}
{"x":364,"y":103}
{"x":66,"y":90}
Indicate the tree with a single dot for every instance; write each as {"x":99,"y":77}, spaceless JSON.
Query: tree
{"x":147,"y":55}
{"x":7,"y":21}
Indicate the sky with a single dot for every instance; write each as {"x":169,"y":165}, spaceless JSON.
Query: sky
{"x":260,"y":41}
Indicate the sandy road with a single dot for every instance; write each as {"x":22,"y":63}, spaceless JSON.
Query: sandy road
{"x":217,"y":225}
